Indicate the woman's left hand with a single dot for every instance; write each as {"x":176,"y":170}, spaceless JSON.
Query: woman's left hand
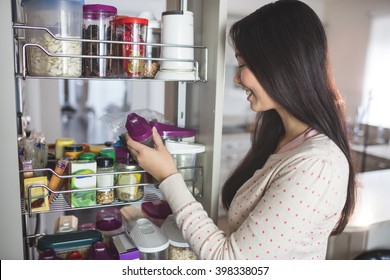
{"x":157,"y":161}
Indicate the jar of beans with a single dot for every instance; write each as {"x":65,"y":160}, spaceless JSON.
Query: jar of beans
{"x":96,"y":21}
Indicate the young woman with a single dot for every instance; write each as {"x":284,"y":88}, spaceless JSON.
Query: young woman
{"x":296,"y":185}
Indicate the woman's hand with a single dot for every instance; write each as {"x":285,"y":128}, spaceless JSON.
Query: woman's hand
{"x":157,"y":161}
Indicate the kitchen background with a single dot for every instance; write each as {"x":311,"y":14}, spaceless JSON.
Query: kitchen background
{"x":359,"y":41}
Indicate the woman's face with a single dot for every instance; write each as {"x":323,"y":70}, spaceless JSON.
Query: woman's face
{"x":256,"y":95}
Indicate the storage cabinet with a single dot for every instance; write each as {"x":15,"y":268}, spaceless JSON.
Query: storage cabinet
{"x":197,"y":105}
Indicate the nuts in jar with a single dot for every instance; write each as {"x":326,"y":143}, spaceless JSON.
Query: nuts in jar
{"x":105,"y":195}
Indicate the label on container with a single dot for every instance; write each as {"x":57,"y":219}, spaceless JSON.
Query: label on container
{"x":83,"y":180}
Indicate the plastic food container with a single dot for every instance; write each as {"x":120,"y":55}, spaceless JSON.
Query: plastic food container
{"x":153,"y":35}
{"x":128,"y":29}
{"x":96,"y":21}
{"x":124,"y":248}
{"x":109,"y":223}
{"x":178,"y":248}
{"x":189,"y":160}
{"x":63,"y":18}
{"x":150,"y":240}
{"x":67,"y":245}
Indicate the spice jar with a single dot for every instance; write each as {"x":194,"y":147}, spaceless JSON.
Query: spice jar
{"x":128,"y":29}
{"x":73,"y":151}
{"x":96,"y":21}
{"x":105,"y":165}
{"x":128,"y":176}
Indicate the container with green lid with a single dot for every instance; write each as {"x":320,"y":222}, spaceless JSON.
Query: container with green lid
{"x":64,"y":244}
{"x":87,"y":156}
{"x":108,"y":152}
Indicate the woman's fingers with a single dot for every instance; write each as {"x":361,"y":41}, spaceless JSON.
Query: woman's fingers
{"x":157,"y":138}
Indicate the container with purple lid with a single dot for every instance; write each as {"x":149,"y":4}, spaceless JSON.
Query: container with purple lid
{"x":109,"y":223}
{"x":139,"y":129}
{"x":96,"y":26}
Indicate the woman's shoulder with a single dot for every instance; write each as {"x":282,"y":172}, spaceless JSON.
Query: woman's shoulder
{"x":317,"y":147}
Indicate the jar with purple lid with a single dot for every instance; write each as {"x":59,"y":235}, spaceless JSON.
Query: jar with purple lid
{"x":96,"y":23}
{"x":139,"y":129}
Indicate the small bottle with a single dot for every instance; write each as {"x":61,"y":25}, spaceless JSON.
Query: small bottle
{"x":73,"y":151}
{"x":60,"y":144}
{"x":106,"y":195}
{"x":139,"y":129}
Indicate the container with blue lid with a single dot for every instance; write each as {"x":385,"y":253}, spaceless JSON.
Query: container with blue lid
{"x":63,"y":18}
{"x":65,"y":243}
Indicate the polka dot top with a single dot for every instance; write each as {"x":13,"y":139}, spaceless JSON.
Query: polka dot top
{"x":287,"y":210}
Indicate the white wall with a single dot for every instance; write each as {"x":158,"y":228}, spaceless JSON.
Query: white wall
{"x":347,"y":23}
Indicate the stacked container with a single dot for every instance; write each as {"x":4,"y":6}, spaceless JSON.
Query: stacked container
{"x":127,"y":29}
{"x":189,"y":158}
{"x":96,"y":23}
{"x":150,"y":240}
{"x":178,"y":248}
{"x":63,"y":18}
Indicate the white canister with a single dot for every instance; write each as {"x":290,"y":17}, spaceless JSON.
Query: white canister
{"x":177,"y":28}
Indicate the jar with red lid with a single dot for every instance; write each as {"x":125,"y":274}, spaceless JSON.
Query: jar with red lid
{"x":128,"y":29}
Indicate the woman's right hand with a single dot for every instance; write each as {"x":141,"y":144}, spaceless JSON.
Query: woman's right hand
{"x":157,"y":161}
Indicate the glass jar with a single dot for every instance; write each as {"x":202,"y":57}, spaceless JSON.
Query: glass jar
{"x":128,"y":176}
{"x":128,"y":29}
{"x":73,"y":151}
{"x":96,"y":20}
{"x":63,"y":18}
{"x":106,"y":195}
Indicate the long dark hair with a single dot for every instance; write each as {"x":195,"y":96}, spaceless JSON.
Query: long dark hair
{"x":284,"y":44}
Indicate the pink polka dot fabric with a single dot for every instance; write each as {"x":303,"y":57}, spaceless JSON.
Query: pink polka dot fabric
{"x":287,"y":210}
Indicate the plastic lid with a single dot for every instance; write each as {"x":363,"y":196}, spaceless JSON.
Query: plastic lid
{"x":158,"y":209}
{"x":152,"y":21}
{"x":108,"y":152}
{"x":167,"y":130}
{"x":147,"y":237}
{"x":87,"y":8}
{"x":125,"y":19}
{"x":73,"y":148}
{"x":49,"y":1}
{"x":138,"y":128}
{"x":108,"y":219}
{"x":64,"y":241}
{"x":180,"y":148}
{"x":104,"y":161}
{"x":87,"y":156}
{"x":64,"y":141}
{"x":172,"y":231}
